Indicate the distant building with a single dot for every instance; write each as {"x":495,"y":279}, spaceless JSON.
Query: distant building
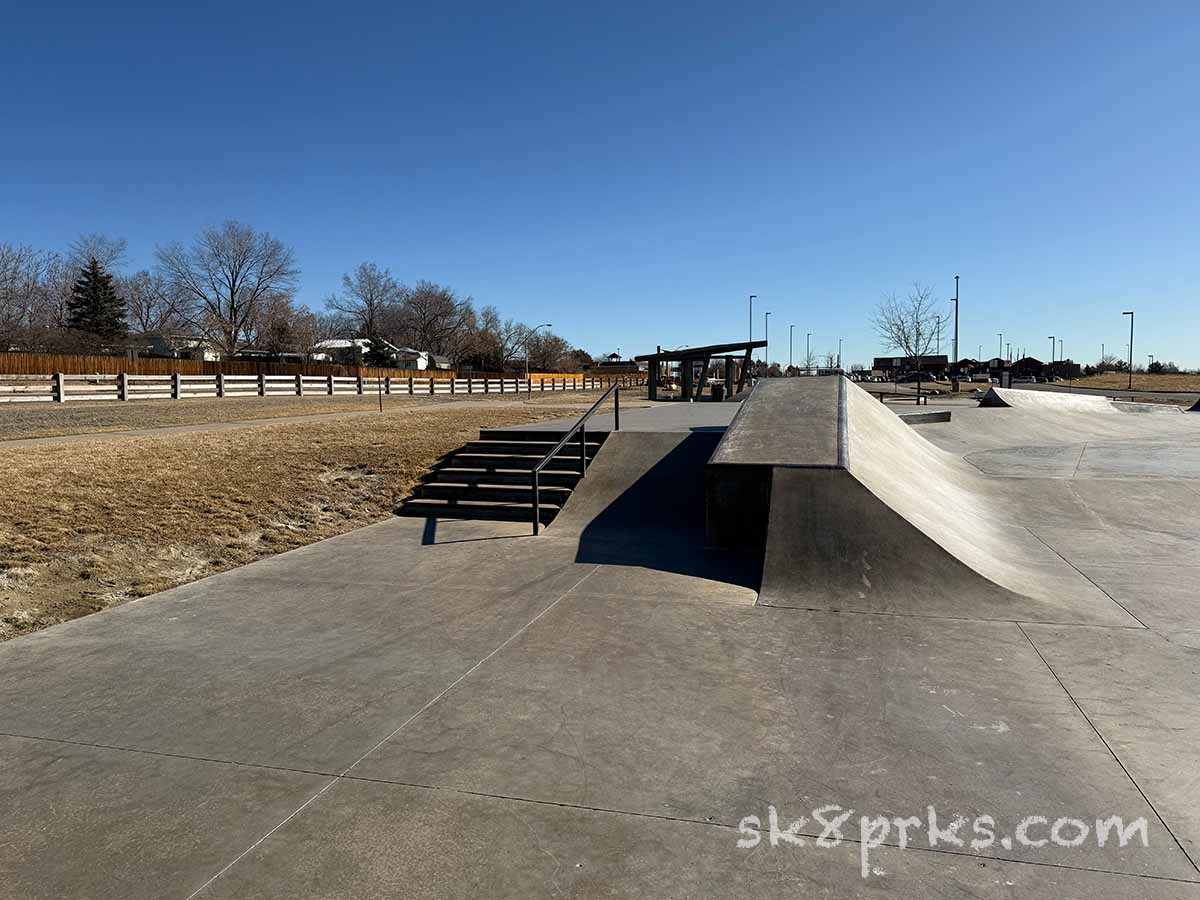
{"x":895,"y":366}
{"x":176,"y":346}
{"x":613,"y":364}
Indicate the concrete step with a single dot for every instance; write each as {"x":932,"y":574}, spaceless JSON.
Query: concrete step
{"x":529,"y":448}
{"x":475,"y":509}
{"x":494,"y":461}
{"x":505,"y":434}
{"x":456,"y":493}
{"x":550,"y":477}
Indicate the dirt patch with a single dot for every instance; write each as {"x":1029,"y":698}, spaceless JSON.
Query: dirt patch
{"x":84,"y":526}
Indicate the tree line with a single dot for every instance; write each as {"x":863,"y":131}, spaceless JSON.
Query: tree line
{"x":235,"y":288}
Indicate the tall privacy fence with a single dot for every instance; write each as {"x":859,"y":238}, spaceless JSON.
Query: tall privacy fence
{"x":83,"y":364}
{"x":61,"y":387}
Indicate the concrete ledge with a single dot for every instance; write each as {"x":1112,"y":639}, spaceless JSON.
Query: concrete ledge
{"x":925,"y":418}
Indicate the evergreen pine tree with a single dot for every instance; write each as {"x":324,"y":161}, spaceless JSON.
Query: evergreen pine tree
{"x":94,"y":306}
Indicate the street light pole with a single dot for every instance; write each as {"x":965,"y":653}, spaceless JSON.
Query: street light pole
{"x":839,"y":353}
{"x":1060,"y":350}
{"x":767,"y":339}
{"x":1051,"y":349}
{"x":1000,"y":352}
{"x":791,"y":328}
{"x":808,"y":353}
{"x":1129,"y":313}
{"x":937,"y":328}
{"x":956,"y":319}
{"x":752,"y":296}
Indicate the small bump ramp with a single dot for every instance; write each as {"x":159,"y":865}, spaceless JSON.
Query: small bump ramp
{"x":1065,"y":402}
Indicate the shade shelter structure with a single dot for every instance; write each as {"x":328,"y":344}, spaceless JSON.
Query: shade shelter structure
{"x":691,"y":359}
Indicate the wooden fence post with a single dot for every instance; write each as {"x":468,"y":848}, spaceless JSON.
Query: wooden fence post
{"x":387,"y":385}
{"x":220,"y":384}
{"x":502,"y":382}
{"x":430,"y":385}
{"x":262,"y":385}
{"x":60,"y":395}
{"x":299,"y":385}
{"x":542,"y":382}
{"x":329,"y":385}
{"x":470,"y":383}
{"x":359,"y":384}
{"x":452,"y":386}
{"x":410,"y":386}
{"x":486,"y":387}
{"x":122,"y":386}
{"x":176,"y":393}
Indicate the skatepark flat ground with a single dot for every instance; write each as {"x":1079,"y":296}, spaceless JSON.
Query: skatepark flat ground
{"x":458,"y":709}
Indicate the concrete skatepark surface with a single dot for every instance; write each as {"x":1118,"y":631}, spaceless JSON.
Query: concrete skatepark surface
{"x":458,"y":709}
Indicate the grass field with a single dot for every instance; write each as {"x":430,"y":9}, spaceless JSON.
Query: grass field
{"x":84,"y":526}
{"x":1141,"y":382}
{"x":32,"y":420}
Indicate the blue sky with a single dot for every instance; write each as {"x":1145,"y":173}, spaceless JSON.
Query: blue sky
{"x":631,"y":172}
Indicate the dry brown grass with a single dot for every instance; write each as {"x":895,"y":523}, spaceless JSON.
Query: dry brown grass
{"x":85,"y":526}
{"x":1142,"y":382}
{"x":32,"y":420}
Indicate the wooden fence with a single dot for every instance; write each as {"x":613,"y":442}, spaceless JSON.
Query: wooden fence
{"x":22,"y":364}
{"x":61,"y":387}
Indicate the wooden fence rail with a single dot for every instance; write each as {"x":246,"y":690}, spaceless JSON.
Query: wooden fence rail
{"x":61,"y":387}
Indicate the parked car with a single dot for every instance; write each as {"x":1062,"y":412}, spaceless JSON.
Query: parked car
{"x":913,"y":377}
{"x":1024,"y":379}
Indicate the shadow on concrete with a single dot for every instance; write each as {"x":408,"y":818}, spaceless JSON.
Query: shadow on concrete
{"x":653,"y":510}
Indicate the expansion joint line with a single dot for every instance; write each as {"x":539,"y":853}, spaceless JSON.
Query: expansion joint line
{"x":336,"y":778}
{"x":1110,"y":750}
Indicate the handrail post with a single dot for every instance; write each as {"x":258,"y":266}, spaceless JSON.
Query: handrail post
{"x":582,"y":448}
{"x":537,"y":513}
{"x":617,"y":409}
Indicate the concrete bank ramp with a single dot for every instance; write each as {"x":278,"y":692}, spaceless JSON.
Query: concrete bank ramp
{"x":642,"y":505}
{"x":867,"y":515}
{"x":1063,"y":402}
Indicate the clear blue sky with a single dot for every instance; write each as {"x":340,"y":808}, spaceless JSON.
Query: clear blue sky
{"x":631,"y":172}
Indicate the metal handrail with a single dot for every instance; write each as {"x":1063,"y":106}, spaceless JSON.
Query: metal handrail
{"x":580,"y":427}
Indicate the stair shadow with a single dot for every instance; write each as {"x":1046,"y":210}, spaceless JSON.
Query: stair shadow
{"x":658,"y":521}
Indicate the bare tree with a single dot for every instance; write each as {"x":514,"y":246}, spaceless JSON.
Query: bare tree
{"x":547,"y":352}
{"x":497,"y":343}
{"x":369,"y":297}
{"x":108,"y":251}
{"x":283,"y":327}
{"x":225,"y":277}
{"x":436,"y":319}
{"x":911,"y":325}
{"x":22,"y":286}
{"x":152,"y":302}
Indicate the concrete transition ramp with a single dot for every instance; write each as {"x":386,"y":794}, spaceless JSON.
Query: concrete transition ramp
{"x":865,"y":514}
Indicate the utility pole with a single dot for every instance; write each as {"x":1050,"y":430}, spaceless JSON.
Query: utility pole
{"x":752,"y":296}
{"x":1010,"y":352}
{"x":1052,"y":349}
{"x":791,"y":328}
{"x":1129,"y":312}
{"x":1000,"y":352}
{"x":839,"y":353}
{"x":1060,"y":350}
{"x":808,"y":354}
{"x":937,"y":326}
